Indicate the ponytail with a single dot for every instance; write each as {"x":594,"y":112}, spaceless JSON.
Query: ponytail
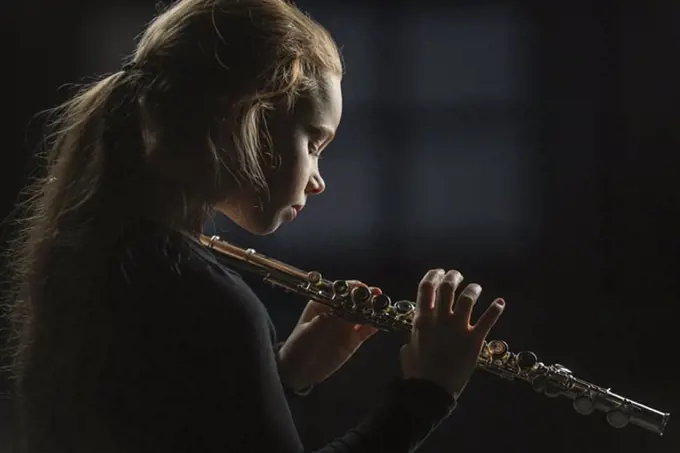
{"x":53,"y":220}
{"x":97,"y":132}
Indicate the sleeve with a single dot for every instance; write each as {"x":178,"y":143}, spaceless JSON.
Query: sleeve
{"x":410,"y":410}
{"x":210,"y":383}
{"x":290,"y":393}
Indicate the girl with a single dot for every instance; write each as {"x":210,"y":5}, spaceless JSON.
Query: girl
{"x":130,"y":336}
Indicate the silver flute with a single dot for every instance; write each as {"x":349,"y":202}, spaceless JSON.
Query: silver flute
{"x":359,"y":305}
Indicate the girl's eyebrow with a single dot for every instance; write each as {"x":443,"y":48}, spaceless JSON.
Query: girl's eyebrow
{"x":321,"y":130}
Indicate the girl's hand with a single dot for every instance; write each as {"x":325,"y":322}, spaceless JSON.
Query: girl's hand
{"x":319,"y":345}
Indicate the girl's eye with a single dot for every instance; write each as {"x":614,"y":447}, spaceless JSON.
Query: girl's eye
{"x":315,"y":151}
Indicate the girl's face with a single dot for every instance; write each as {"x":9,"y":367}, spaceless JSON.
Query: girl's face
{"x":298,"y":137}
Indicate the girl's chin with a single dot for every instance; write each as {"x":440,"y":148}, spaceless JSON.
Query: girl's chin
{"x":264,"y":224}
{"x":270,"y":225}
{"x":289,"y":214}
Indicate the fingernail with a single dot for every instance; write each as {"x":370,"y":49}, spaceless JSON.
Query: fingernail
{"x":357,"y":327}
{"x":473,"y":289}
{"x":500,"y":302}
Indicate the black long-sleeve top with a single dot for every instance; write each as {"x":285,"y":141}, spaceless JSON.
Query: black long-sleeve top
{"x":193,"y":365}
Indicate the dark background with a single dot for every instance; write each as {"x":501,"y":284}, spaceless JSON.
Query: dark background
{"x":532,"y":147}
